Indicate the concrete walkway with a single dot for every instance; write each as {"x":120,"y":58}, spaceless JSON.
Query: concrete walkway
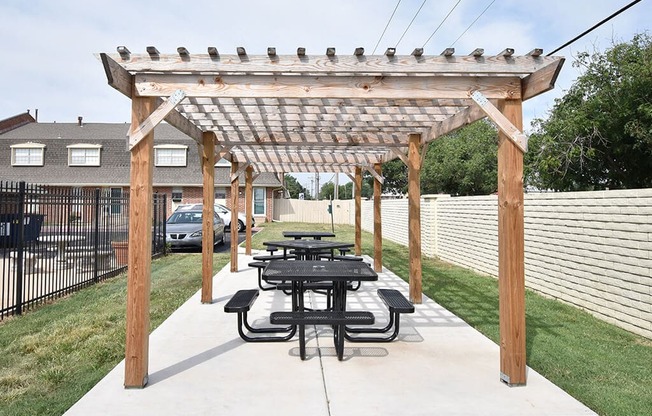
{"x":439,"y":365}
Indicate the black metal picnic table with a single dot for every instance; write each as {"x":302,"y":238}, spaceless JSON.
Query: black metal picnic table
{"x":339,"y":273}
{"x":316,"y":235}
{"x":307,"y":248}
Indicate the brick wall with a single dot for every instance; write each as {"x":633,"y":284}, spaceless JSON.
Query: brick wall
{"x":194,"y":195}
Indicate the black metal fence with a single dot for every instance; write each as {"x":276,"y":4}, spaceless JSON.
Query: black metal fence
{"x":54,"y":241}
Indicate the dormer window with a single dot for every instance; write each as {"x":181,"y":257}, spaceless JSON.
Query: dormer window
{"x":170,"y":155}
{"x":84,"y":154}
{"x":27,"y":154}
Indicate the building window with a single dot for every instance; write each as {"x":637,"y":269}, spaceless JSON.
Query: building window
{"x":177,"y":194}
{"x":116,"y":200}
{"x":220,"y":194}
{"x":84,"y":155}
{"x":170,"y":155}
{"x":259,"y":201}
{"x":27,"y":154}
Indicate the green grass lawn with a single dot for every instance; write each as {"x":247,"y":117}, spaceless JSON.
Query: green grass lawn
{"x":52,"y":356}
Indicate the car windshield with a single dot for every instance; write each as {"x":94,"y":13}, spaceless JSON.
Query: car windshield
{"x":185,"y":217}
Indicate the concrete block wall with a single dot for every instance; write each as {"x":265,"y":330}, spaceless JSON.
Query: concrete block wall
{"x":589,"y":249}
{"x":593,"y":250}
{"x":467,"y":232}
{"x":394,"y":218}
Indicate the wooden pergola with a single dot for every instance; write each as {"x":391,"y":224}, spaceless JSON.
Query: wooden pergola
{"x":328,"y":112}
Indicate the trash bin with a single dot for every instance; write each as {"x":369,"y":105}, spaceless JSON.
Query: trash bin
{"x":10,"y":231}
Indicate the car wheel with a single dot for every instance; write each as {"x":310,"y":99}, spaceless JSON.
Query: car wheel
{"x":241,"y":226}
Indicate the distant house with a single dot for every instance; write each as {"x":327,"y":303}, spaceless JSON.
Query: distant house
{"x":94,"y":155}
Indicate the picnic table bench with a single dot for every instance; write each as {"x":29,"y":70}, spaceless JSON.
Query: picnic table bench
{"x":240,"y":303}
{"x":396,"y":304}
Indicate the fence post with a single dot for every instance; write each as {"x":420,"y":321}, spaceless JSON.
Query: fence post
{"x":165,"y":230}
{"x":20,"y":247}
{"x":96,"y":241}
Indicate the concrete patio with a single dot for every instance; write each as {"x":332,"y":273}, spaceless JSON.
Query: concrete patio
{"x":198,"y":365}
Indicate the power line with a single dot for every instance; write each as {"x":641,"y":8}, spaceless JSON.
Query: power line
{"x":603,"y":21}
{"x":440,"y":24}
{"x":412,"y":21}
{"x":386,"y":26}
{"x":472,"y":23}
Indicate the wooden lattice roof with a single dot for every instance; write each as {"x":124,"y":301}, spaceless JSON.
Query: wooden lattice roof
{"x":297,"y":113}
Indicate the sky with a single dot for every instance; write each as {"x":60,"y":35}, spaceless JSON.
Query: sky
{"x":49,"y":47}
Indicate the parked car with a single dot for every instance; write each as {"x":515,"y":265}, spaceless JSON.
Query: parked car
{"x":224,"y":213}
{"x":184,"y":229}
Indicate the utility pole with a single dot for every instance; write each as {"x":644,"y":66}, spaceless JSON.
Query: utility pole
{"x":317,"y":186}
{"x":337,"y":186}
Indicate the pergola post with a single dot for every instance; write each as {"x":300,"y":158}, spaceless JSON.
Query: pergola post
{"x":208,"y":211}
{"x":511,"y":257}
{"x":235,"y":185}
{"x":378,"y":229}
{"x":358,"y":210}
{"x":140,"y":250}
{"x":414,"y":216}
{"x":249,"y":200}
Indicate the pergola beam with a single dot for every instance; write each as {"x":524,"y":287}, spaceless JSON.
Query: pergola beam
{"x":263,"y":138}
{"x":542,"y":80}
{"x":281,"y":108}
{"x":323,"y":158}
{"x":505,"y":126}
{"x":305,"y":168}
{"x":321,"y":64}
{"x":462,"y":118}
{"x":269,"y":86}
{"x":147,"y":125}
{"x":399,"y":153}
{"x":236,"y":174}
{"x":117,"y":76}
{"x":375,"y":173}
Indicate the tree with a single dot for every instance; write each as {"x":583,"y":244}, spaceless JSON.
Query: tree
{"x":395,"y":174}
{"x":599,"y":135}
{"x":463,"y":162}
{"x":295,"y":188}
{"x":346,"y":191}
{"x":327,"y":191}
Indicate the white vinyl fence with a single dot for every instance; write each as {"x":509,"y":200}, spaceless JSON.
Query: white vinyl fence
{"x":590,"y":249}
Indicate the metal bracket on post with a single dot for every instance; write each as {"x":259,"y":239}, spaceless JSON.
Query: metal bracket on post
{"x":506,"y":126}
{"x":136,"y":135}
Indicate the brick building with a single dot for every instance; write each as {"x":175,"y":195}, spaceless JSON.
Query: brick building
{"x":94,"y":155}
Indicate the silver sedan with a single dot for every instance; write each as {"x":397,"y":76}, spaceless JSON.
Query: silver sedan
{"x":184,"y":229}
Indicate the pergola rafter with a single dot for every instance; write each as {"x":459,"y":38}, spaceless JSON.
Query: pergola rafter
{"x":337,"y":113}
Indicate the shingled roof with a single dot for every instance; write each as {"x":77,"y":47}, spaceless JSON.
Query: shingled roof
{"x":114,"y":169}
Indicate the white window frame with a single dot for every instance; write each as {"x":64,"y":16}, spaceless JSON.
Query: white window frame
{"x":264,"y":201}
{"x":35,"y":155}
{"x":173,"y":160}
{"x":177,"y":190}
{"x":91,"y":152}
